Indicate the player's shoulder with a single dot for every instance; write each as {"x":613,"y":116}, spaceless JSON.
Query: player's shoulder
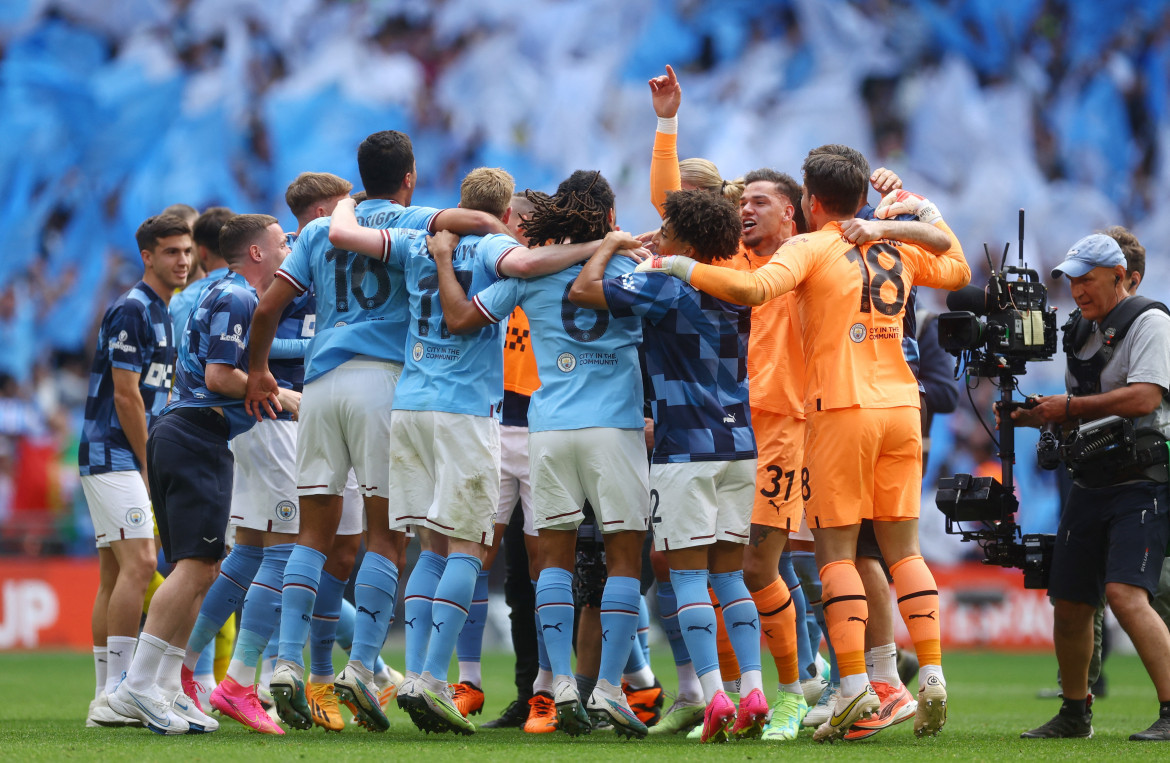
{"x":314,"y":232}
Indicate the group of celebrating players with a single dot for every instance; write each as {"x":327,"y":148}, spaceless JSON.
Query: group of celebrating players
{"x":360,"y":379}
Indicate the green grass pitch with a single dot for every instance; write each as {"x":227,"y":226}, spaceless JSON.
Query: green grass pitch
{"x":992,"y":699}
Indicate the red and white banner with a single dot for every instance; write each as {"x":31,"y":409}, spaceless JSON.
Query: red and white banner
{"x":47,"y":602}
{"x":988,"y":607}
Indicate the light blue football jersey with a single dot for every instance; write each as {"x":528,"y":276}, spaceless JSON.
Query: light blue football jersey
{"x":587,"y":359}
{"x":361,"y":304}
{"x":455,"y":373}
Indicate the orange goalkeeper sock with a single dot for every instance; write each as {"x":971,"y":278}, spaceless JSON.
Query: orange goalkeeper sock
{"x":778,"y":622}
{"x":918,"y":603}
{"x":846,"y":613}
{"x":728,"y":664}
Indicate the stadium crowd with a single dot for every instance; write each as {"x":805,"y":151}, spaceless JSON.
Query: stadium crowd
{"x":288,"y":114}
{"x":1058,"y":107}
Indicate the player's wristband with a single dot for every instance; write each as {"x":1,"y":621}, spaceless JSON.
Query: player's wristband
{"x":668,"y":125}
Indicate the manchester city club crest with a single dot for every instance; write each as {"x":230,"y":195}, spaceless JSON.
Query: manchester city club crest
{"x":136,"y":517}
{"x":286,"y":511}
{"x":417,"y":352}
{"x":857,"y":332}
{"x":566,"y":362}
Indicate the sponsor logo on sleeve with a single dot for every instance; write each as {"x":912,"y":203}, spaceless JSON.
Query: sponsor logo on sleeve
{"x":119,"y":343}
{"x":236,"y":337}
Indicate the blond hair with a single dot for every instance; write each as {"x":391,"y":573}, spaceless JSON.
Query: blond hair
{"x":312,"y":187}
{"x":703,"y":174}
{"x":487,"y":189}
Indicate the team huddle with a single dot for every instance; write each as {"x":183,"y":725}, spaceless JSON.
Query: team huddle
{"x":725,"y":407}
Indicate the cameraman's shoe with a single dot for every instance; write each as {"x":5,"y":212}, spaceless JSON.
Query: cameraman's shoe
{"x":1159,"y":732}
{"x":1069,"y":723}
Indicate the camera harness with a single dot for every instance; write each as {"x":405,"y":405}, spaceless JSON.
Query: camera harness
{"x":1151,"y":448}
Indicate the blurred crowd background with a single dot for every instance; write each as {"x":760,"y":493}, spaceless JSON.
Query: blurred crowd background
{"x":111,"y":110}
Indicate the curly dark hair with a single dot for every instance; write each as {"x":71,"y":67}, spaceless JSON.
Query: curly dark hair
{"x":577,"y":212}
{"x":708,"y":222}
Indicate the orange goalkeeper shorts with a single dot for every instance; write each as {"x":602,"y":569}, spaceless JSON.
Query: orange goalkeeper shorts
{"x":863,"y":463}
{"x":781,"y":481}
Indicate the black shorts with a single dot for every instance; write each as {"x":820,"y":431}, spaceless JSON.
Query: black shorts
{"x":190,"y":470}
{"x":1114,"y":534}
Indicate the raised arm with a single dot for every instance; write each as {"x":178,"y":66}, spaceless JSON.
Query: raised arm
{"x":739,"y":287}
{"x":666,"y":95}
{"x":460,"y":315}
{"x":346,"y":233}
{"x":468,"y":222}
{"x":930,"y":237}
{"x":587,"y":290}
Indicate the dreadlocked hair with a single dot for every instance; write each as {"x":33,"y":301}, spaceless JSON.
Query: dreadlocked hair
{"x":578,"y":212}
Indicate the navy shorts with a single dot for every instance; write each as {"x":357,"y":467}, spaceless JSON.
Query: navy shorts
{"x":190,"y":471}
{"x":1114,"y":534}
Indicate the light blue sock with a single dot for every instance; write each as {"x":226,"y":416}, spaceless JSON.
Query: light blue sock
{"x":619,"y":626}
{"x":375,"y":593}
{"x":261,"y":615}
{"x":469,"y":647}
{"x":420,"y":594}
{"x":668,"y":617}
{"x":323,"y":629}
{"x":638,"y":658}
{"x":804,"y":654}
{"x":345,"y":633}
{"x":644,"y":630}
{"x":740,"y":617}
{"x":541,"y":651}
{"x":555,"y":613}
{"x":302,"y":575}
{"x":804,"y":562}
{"x":345,"y":621}
{"x":449,"y":611}
{"x":206,"y":664}
{"x":696,"y":618}
{"x":225,"y":594}
{"x":249,"y":647}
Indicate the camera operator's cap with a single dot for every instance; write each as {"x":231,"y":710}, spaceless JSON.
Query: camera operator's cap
{"x":1093,"y":251}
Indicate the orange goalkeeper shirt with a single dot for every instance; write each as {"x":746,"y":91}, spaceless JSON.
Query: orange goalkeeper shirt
{"x":520,"y":374}
{"x":851,"y":301}
{"x":775,"y":361}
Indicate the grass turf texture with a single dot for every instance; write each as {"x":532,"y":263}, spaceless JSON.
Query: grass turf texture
{"x":992,"y":699}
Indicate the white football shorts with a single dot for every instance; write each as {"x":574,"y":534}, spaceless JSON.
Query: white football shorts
{"x":345,"y":424}
{"x":445,"y":473}
{"x":698,"y":503}
{"x":603,"y":465}
{"x":514,"y":481}
{"x":119,"y":506}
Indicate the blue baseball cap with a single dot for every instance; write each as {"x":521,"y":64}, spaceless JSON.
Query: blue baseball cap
{"x":1093,"y":251}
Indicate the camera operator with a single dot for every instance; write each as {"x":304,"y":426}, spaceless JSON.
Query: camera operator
{"x":1114,"y":528}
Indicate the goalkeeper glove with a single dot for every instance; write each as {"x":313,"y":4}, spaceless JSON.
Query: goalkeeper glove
{"x":676,"y":265}
{"x":905,"y":203}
